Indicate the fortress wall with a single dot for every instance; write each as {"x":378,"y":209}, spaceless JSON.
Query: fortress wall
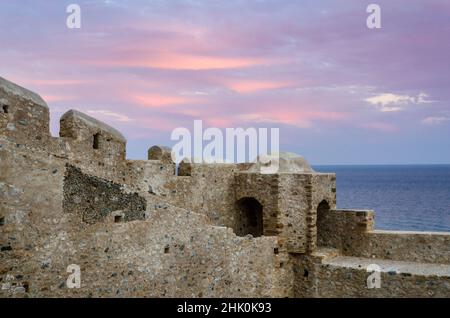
{"x":204,"y":188}
{"x":147,"y":176}
{"x":172,"y":252}
{"x":31,"y":217}
{"x":39,"y":240}
{"x":207,"y":189}
{"x":214,"y":192}
{"x":179,"y":246}
{"x":85,"y":141}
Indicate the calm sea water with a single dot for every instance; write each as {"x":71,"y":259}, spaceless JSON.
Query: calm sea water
{"x":410,"y":197}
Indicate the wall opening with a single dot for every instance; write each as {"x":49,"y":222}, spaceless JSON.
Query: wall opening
{"x":249,"y":218}
{"x":5,"y":109}
{"x":323,"y":213}
{"x":118,"y":219}
{"x":96,"y":141}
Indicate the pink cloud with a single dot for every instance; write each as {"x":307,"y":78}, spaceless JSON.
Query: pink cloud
{"x":252,"y":86}
{"x":57,"y":98}
{"x":162,"y":64}
{"x":171,"y":61}
{"x":160,"y":100}
{"x":298,"y":118}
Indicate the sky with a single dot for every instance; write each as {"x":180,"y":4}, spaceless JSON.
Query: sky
{"x":339,"y":92}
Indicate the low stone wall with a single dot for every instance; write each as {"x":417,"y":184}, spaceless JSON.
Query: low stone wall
{"x":24,"y":115}
{"x":172,"y":252}
{"x":352,"y":232}
{"x":93,"y":198}
{"x":342,"y":228}
{"x":425,"y":247}
{"x":348,"y":276}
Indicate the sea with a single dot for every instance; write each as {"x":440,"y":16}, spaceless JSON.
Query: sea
{"x":404,"y":197}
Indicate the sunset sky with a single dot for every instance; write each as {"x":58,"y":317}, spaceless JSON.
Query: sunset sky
{"x":339,"y":92}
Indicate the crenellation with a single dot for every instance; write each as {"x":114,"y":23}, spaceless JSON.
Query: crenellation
{"x":161,"y":153}
{"x":140,"y":228}
{"x":24,"y":116}
{"x":88,"y":137}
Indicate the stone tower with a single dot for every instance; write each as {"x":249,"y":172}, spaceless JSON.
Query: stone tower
{"x":284,"y":203}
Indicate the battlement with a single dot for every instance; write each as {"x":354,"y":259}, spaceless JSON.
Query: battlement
{"x":12,"y":89}
{"x":91,"y":138}
{"x":24,"y":115}
{"x":77,"y":125}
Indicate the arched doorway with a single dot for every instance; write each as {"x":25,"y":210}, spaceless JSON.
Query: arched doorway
{"x":249,"y":217}
{"x":323,"y":213}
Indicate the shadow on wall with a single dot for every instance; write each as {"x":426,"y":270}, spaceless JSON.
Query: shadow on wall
{"x":249,"y":217}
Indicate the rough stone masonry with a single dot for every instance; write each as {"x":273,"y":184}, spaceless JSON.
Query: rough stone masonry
{"x":137,"y":228}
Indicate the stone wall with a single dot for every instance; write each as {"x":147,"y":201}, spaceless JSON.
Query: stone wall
{"x":169,"y":251}
{"x":93,"y":198}
{"x":91,"y":139}
{"x":172,"y":252}
{"x":139,"y":228}
{"x":404,"y":246}
{"x":352,"y":232}
{"x":23,"y":115}
{"x":319,"y":275}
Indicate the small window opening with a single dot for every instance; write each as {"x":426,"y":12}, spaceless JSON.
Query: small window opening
{"x":118,"y":218}
{"x":166,"y":250}
{"x":96,"y":142}
{"x":5,"y":109}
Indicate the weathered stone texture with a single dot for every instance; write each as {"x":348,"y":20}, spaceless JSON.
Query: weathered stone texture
{"x":94,"y":198}
{"x":24,"y":116}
